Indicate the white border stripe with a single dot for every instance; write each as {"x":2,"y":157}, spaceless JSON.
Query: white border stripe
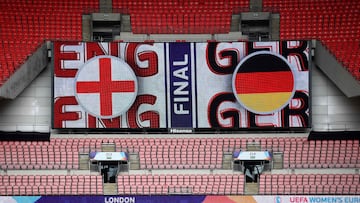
{"x":167,"y":69}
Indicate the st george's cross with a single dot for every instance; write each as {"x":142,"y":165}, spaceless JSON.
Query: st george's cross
{"x":106,"y":86}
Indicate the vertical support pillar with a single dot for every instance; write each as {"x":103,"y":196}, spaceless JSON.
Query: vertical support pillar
{"x":275,"y":26}
{"x":86,"y":28}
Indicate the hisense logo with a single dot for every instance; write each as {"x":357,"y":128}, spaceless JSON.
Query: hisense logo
{"x":181,"y":130}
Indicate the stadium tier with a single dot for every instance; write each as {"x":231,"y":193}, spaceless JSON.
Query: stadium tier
{"x":195,"y":184}
{"x":310,"y":184}
{"x":181,"y":153}
{"x":51,"y":185}
{"x":172,"y":154}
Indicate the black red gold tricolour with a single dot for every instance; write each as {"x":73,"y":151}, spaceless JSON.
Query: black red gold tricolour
{"x":264,"y":82}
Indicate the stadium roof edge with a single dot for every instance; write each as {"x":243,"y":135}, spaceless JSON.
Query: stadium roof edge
{"x":335,"y":71}
{"x":27,"y":72}
{"x":130,"y":37}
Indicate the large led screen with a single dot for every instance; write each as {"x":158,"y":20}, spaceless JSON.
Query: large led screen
{"x":181,"y":86}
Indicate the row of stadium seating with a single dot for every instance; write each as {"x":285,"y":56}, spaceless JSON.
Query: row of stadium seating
{"x":180,"y":5}
{"x":180,"y":19}
{"x":322,"y":154}
{"x":309,"y":184}
{"x":51,"y":184}
{"x":48,"y":6}
{"x":179,"y":153}
{"x":181,"y":23}
{"x":180,"y":184}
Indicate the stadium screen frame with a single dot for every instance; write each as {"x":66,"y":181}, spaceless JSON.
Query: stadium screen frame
{"x":182,"y":87}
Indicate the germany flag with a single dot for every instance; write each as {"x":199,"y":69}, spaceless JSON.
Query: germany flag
{"x":263,"y":82}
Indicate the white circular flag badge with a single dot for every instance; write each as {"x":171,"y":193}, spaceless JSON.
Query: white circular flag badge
{"x":264,"y":82}
{"x":105,"y":86}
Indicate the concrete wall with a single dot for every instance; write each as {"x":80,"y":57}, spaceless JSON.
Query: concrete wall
{"x":31,"y":110}
{"x":331,"y":109}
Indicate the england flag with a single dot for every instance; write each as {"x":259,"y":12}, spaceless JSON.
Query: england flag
{"x":106,"y":86}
